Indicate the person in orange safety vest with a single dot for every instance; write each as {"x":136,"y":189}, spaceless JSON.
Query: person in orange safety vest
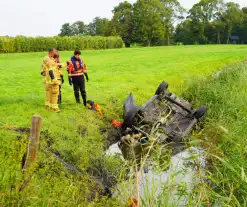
{"x":77,"y":70}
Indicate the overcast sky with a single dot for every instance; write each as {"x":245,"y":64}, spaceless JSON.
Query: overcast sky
{"x":45,"y":17}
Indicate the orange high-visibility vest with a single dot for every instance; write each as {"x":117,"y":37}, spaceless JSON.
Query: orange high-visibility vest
{"x":72,"y":72}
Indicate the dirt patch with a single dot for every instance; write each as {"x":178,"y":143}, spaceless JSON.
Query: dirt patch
{"x":82,"y":131}
{"x":47,"y":137}
{"x":22,"y":130}
{"x":113,"y":136}
{"x":100,"y":188}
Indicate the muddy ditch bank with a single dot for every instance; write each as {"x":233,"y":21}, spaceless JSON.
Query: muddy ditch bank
{"x":102,"y":180}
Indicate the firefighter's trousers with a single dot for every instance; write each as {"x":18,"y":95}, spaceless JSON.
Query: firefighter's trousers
{"x":52,"y":92}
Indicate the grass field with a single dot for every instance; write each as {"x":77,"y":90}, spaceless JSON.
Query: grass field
{"x":113,"y":75}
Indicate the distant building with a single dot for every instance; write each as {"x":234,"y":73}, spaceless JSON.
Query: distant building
{"x":234,"y":40}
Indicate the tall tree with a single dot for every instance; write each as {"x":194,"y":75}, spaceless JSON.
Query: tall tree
{"x":243,"y":27}
{"x":201,"y":14}
{"x":99,"y":27}
{"x":218,"y":30}
{"x":91,"y":29}
{"x":66,"y":30}
{"x":233,"y":15}
{"x":79,"y":28}
{"x":183,"y":33}
{"x":148,"y":22}
{"x":197,"y":24}
{"x":122,"y":21}
{"x":173,"y":12}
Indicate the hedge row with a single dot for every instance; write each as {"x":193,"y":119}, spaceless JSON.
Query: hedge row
{"x":39,"y":44}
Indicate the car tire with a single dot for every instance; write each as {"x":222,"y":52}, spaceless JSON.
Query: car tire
{"x":162,"y":87}
{"x":200,"y":112}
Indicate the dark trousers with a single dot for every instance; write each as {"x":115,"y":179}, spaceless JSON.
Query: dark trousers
{"x":79,"y":86}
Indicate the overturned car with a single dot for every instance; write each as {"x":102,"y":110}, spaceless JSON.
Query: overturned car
{"x":163,"y":119}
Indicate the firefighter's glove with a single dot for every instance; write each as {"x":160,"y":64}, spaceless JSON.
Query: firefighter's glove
{"x":51,"y":74}
{"x":86,"y":77}
{"x":62,"y":79}
{"x":70,"y":81}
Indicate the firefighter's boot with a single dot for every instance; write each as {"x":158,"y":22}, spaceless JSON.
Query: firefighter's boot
{"x":84,"y":100}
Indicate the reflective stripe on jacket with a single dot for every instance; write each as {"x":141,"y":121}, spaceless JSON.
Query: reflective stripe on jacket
{"x":72,"y":72}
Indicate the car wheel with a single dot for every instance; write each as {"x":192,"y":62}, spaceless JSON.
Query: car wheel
{"x":163,"y":86}
{"x":200,"y":112}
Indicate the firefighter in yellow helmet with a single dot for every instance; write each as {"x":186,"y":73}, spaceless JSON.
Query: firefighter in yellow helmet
{"x":59,"y":75}
{"x":43,"y":73}
{"x":50,"y":71}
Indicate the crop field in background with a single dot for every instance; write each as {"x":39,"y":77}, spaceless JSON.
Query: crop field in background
{"x":76,"y":133}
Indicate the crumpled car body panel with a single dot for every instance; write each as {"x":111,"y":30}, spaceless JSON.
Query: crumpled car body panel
{"x":165,"y":116}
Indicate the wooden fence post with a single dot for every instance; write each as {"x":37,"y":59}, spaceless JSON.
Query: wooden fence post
{"x":33,"y":141}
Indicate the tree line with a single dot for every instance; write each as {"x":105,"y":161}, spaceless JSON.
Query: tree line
{"x":166,"y":22}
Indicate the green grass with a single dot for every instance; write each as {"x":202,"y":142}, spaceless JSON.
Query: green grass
{"x":113,"y":75}
{"x":225,"y":132}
